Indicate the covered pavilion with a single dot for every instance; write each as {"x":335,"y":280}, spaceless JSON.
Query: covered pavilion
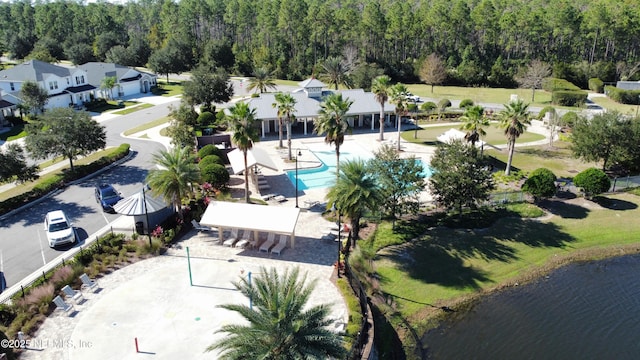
{"x":270,"y":219}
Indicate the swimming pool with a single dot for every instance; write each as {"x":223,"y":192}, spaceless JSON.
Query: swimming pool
{"x":324,"y":176}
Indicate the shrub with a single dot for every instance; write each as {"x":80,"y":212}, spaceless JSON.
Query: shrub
{"x":555,"y":84}
{"x":592,"y":181}
{"x":210,"y":160}
{"x":428,"y":106}
{"x":411,"y":107}
{"x":62,"y":276}
{"x":569,"y":119}
{"x":540,"y":184}
{"x":465,"y":103}
{"x":215,"y":174}
{"x":629,"y":97}
{"x":443,"y":104}
{"x":206,"y":118}
{"x":40,"y":295}
{"x":208,"y":150}
{"x":596,"y":85}
{"x":569,"y":97}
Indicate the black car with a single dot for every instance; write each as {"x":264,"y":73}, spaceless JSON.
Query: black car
{"x":107,"y":196}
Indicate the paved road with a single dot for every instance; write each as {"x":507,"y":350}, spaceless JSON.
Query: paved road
{"x":23,"y":245}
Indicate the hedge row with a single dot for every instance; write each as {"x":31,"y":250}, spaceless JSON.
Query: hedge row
{"x":51,"y":182}
{"x":569,"y":97}
{"x":596,"y":85}
{"x":629,"y":97}
{"x":554,"y":84}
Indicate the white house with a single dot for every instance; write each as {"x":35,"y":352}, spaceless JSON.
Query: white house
{"x":65,"y":86}
{"x":364,"y":112}
{"x":129,"y":81}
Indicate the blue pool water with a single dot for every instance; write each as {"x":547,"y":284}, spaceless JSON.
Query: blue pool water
{"x":324,"y":176}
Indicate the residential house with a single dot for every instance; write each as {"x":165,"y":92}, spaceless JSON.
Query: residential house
{"x":129,"y":81}
{"x":364,"y":112}
{"x":66,"y":86}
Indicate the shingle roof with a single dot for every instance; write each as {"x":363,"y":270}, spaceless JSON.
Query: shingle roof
{"x":33,"y":70}
{"x":363,"y":103}
{"x":312,"y":83}
{"x":96,"y":71}
{"x":5,"y":104}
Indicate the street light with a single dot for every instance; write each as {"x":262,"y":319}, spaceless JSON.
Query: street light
{"x":334,"y":208}
{"x":299,"y":154}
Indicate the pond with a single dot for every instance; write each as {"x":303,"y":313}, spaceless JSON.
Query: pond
{"x":582,"y":311}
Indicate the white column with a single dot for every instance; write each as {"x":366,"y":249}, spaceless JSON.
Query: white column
{"x":305,"y":125}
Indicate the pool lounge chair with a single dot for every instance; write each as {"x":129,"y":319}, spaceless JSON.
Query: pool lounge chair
{"x":268,"y":243}
{"x":282,"y":243}
{"x":246,"y":238}
{"x":197,"y":226}
{"x":233,"y":238}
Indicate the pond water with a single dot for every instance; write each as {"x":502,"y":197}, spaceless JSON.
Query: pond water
{"x":582,"y":311}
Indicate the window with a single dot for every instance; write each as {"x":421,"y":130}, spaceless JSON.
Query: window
{"x":67,"y":81}
{"x":53,"y":85}
{"x":80,"y":79}
{"x":13,"y":87}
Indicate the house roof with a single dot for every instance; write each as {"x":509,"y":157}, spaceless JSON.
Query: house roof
{"x":306,"y":107}
{"x":312,"y":83}
{"x":5,"y":104}
{"x":276,"y":219}
{"x":96,"y":71}
{"x":33,"y":70}
{"x":79,"y":89}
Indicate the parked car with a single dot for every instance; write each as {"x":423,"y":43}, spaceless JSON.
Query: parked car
{"x":58,"y":228}
{"x":411,"y":97}
{"x":107,"y":196}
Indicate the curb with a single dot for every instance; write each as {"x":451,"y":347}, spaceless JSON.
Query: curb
{"x":59,"y":190}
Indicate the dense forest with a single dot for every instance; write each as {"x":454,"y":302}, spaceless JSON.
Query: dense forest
{"x":481,"y":42}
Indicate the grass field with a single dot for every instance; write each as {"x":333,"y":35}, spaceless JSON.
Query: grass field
{"x":146,"y":126}
{"x":14,"y":133}
{"x":447,"y":263}
{"x":428,"y":135}
{"x":164,"y":88}
{"x":135,"y":108}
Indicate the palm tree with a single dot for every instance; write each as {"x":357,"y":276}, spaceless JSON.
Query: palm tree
{"x":280,"y":324}
{"x":398,"y":97}
{"x":178,"y":171}
{"x":262,"y":80}
{"x":332,"y":122}
{"x":107,"y":84}
{"x":286,"y":105}
{"x":380,"y":87}
{"x":514,"y":120}
{"x":336,"y":72}
{"x":473,"y":122}
{"x":355,"y":192}
{"x":245,"y":133}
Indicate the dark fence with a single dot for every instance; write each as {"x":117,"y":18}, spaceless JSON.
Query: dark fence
{"x":362,"y":348}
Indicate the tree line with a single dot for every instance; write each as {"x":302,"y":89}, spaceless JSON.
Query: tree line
{"x":481,"y":42}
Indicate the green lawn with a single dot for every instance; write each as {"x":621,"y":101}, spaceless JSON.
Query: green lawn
{"x":167,"y":88}
{"x":28,"y":186}
{"x":14,"y":133}
{"x":557,"y":159}
{"x":148,"y":125}
{"x":447,"y":263}
{"x":485,"y":95}
{"x":135,"y":108}
{"x":495,"y":136}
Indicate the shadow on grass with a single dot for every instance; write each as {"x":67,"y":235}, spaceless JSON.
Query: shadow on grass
{"x":432,"y":263}
{"x":614,"y":204}
{"x":15,"y":130}
{"x":441,"y":257}
{"x":563,"y":209}
{"x":544,"y":153}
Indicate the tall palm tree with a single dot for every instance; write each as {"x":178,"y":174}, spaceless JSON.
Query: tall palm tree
{"x":335,"y":72}
{"x":332,"y":122}
{"x":355,"y":192}
{"x":474,"y":121}
{"x":261,"y":81}
{"x":280,"y":325}
{"x":514,"y":119}
{"x":178,"y":171}
{"x":380,"y":87}
{"x":398,"y":95}
{"x":241,"y":120}
{"x":286,"y":105}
